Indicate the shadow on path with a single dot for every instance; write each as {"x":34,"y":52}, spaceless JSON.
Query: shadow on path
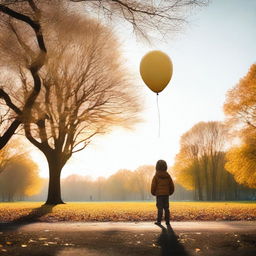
{"x":168,"y":241}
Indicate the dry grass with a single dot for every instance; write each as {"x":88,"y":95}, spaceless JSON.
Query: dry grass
{"x":125,"y":211}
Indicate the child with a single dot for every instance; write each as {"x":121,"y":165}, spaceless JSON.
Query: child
{"x":162,"y":187}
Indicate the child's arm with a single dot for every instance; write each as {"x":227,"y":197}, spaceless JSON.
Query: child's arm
{"x":171,"y":186}
{"x":153,"y":186}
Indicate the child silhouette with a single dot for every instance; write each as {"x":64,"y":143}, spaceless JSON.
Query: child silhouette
{"x":162,"y":187}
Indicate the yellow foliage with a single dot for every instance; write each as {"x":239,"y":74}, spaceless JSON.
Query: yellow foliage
{"x":31,"y":175}
{"x":240,"y":107}
{"x":183,"y":170}
{"x":20,"y":174}
{"x":241,"y":101}
{"x":34,"y":187}
{"x":241,"y":162}
{"x":128,"y":211}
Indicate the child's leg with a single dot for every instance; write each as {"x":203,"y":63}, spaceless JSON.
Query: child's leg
{"x":166,"y":210}
{"x":160,"y":207}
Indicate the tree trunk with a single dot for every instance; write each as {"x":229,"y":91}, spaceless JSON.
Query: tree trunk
{"x":205,"y":173}
{"x":198,"y":185}
{"x":9,"y":133}
{"x":214,"y":165}
{"x":54,"y":190}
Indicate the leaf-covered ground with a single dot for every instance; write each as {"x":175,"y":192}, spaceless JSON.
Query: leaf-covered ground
{"x":125,"y":211}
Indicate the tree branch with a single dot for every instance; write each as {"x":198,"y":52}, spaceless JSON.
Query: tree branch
{"x":33,"y":24}
{"x":9,"y":133}
{"x":9,"y":103}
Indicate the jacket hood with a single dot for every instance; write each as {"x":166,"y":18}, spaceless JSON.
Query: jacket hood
{"x":162,"y":174}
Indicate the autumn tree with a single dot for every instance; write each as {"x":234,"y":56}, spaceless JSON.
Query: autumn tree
{"x":240,"y":104}
{"x":240,"y":109}
{"x":241,"y":163}
{"x":85,"y":93}
{"x":10,"y":153}
{"x":144,"y":17}
{"x":19,"y":178}
{"x":198,"y":164}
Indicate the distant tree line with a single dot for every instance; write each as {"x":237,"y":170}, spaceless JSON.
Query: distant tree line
{"x":126,"y":185}
{"x":20,"y":181}
{"x":19,"y":177}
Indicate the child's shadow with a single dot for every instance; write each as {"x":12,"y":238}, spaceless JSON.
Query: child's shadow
{"x":168,"y":241}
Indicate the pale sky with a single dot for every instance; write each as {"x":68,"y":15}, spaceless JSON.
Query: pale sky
{"x":209,"y":57}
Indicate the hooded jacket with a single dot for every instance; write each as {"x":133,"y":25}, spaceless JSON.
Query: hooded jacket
{"x":162,"y":184}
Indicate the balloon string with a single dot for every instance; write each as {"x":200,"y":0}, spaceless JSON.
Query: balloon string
{"x":158,"y":112}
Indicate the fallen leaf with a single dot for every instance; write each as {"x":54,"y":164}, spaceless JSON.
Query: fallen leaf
{"x":52,"y":242}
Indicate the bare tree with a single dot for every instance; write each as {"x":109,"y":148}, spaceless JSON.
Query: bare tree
{"x":147,"y":18}
{"x":85,"y":93}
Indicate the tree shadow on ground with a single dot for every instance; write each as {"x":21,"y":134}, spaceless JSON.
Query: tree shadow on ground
{"x":32,"y":217}
{"x":169,"y":243}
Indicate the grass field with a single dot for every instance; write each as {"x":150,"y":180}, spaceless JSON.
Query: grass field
{"x":125,"y":211}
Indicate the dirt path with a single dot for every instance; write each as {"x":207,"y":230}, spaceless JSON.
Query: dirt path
{"x":142,"y":238}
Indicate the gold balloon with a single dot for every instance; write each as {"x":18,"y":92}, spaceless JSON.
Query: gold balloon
{"x":156,"y":70}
